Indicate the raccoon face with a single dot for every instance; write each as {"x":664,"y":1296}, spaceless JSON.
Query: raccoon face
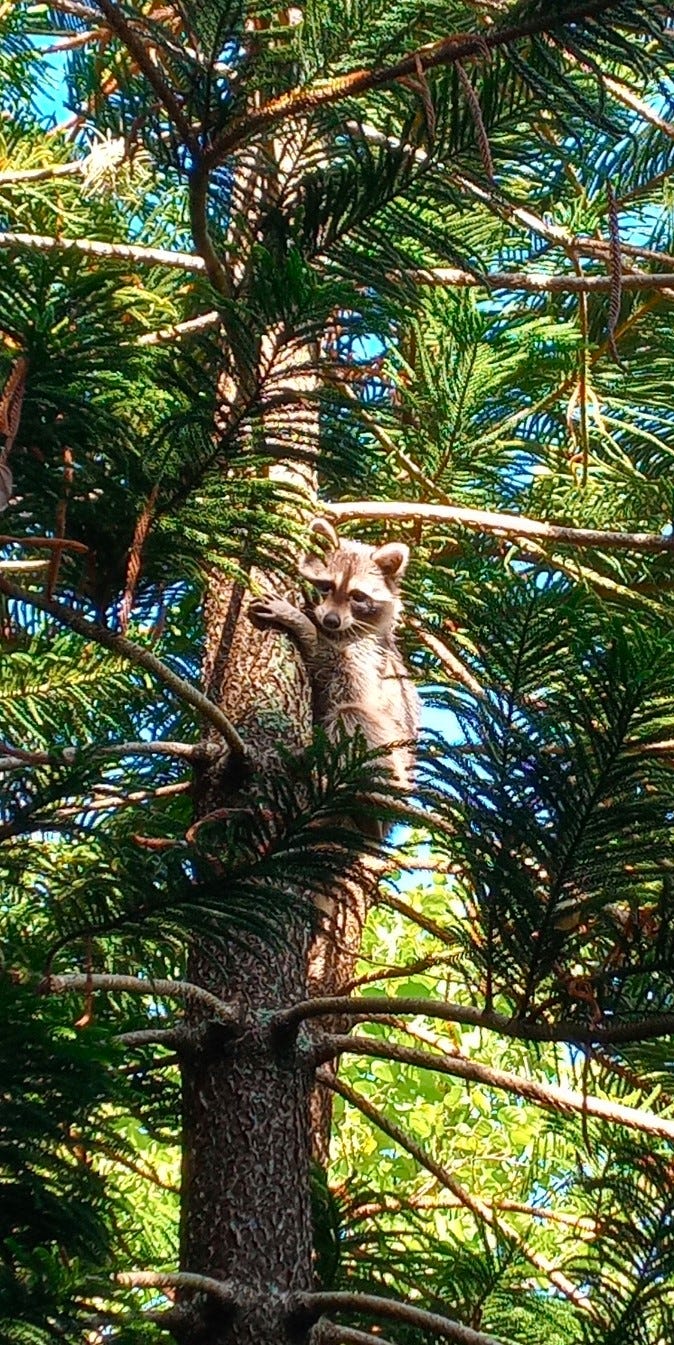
{"x":354,"y":589}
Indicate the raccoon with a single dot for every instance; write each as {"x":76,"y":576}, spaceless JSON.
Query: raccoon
{"x":346,"y":637}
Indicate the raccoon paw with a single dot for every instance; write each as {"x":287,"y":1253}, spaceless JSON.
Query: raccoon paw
{"x":274,"y":612}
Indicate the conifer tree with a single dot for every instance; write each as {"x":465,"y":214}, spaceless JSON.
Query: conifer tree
{"x":409,"y":269}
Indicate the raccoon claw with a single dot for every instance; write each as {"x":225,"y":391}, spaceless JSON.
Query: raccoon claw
{"x":265,"y":612}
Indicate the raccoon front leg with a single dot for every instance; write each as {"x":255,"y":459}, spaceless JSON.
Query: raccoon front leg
{"x":278,"y":614}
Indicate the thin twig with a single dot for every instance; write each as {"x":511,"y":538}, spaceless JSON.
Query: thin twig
{"x":136,"y":654}
{"x":136,"y":47}
{"x":386,"y":898}
{"x":11,"y":176}
{"x":506,"y":525}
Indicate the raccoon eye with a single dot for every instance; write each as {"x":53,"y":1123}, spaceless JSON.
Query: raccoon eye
{"x":323,"y":586}
{"x":357,"y":596}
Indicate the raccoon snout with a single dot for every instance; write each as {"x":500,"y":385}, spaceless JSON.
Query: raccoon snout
{"x":331,"y":621}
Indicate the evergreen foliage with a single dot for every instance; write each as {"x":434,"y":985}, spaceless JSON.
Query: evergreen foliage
{"x":148,"y":458}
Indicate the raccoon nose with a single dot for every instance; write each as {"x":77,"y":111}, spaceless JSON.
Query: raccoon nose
{"x":332,"y":621}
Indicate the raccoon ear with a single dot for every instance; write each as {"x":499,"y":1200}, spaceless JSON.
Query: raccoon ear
{"x":324,"y":529}
{"x":392,"y":559}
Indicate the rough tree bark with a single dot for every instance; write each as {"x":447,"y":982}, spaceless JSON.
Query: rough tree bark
{"x":246,"y":1200}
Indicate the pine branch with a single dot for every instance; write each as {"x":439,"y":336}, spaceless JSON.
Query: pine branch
{"x":534,"y":282}
{"x":372,"y":1007}
{"x":198,"y":197}
{"x":504,"y":525}
{"x":49,"y":543}
{"x":167,"y":96}
{"x":482,"y":1210}
{"x":310,"y":1306}
{"x":630,"y":99}
{"x":183,"y":751}
{"x":531,"y":282}
{"x":91,"y":247}
{"x":449,"y":661}
{"x":10,"y":177}
{"x":201,"y":324}
{"x":457,"y":47}
{"x":174,"y":1037}
{"x":136,"y":654}
{"x":226,"y":1293}
{"x":545,"y":1095}
{"x":328,"y":1333}
{"x":137,"y":985}
{"x":417,"y":918}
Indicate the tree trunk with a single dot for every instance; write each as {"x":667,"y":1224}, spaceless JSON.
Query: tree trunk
{"x":246,"y":1214}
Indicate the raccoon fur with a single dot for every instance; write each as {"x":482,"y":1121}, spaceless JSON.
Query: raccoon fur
{"x":346,"y":638}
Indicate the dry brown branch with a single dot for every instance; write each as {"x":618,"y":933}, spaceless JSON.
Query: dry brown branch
{"x":390,"y":1309}
{"x":136,"y":654}
{"x":52,"y":543}
{"x":381,"y":1006}
{"x":505,"y":525}
{"x":137,"y":985}
{"x":545,"y":1095}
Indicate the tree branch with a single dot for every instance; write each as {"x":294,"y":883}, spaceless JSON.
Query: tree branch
{"x":226,"y":1293}
{"x":391,"y":1309}
{"x":328,"y":1333}
{"x":505,"y":525}
{"x":175,"y":1037}
{"x":449,"y":661}
{"x":417,"y":917}
{"x":544,"y":1095}
{"x":188,"y":328}
{"x":134,"y":653}
{"x":90,"y":247}
{"x":183,"y":751}
{"x":372,"y":1007}
{"x":198,"y":197}
{"x":535,"y":282}
{"x":137,"y":985}
{"x":11,"y":176}
{"x":456,"y":47}
{"x":136,"y":47}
